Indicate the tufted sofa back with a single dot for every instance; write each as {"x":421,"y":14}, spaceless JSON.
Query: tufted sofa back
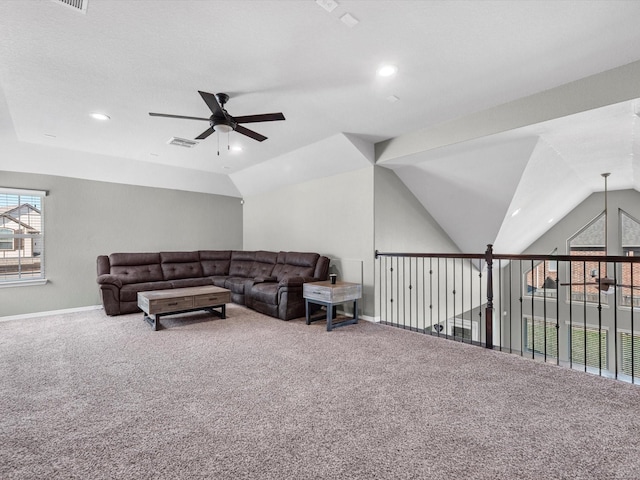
{"x":177,"y":265}
{"x":241,"y":263}
{"x":215,"y":262}
{"x":295,"y":264}
{"x":263,"y":264}
{"x":154,"y":267}
{"x":136,"y":267}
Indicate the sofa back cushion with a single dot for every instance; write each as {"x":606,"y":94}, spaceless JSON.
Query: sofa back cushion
{"x":177,"y":265}
{"x":136,"y":267}
{"x":295,"y":264}
{"x":263,"y":264}
{"x":215,"y":262}
{"x":241,"y":263}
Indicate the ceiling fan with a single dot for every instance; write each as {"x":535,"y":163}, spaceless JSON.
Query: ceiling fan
{"x":222,"y":122}
{"x":602,"y":283}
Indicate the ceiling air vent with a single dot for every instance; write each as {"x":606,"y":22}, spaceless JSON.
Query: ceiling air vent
{"x":182,"y":142}
{"x":77,"y":5}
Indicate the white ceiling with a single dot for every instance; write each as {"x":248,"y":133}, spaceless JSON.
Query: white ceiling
{"x":454,"y":59}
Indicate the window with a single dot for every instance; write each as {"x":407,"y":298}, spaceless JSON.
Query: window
{"x":630,"y":274}
{"x":585,"y":348}
{"x":6,"y":239}
{"x":542,"y":279}
{"x":541,"y":337}
{"x":630,"y":354}
{"x":588,"y":241}
{"x":21,"y":236}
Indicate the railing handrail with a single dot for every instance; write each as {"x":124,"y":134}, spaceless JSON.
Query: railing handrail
{"x":496,"y":256}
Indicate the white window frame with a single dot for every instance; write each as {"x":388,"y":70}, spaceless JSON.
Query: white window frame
{"x":27,"y":280}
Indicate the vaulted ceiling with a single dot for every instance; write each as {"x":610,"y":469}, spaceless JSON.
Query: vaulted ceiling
{"x":469,"y":122}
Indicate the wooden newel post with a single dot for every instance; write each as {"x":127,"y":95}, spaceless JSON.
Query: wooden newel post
{"x":488,"y":318}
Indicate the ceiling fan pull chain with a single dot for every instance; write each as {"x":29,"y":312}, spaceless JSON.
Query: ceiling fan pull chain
{"x":228,"y":135}
{"x":218,"y":137}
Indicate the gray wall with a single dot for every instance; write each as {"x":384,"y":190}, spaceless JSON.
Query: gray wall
{"x":332,"y":216}
{"x":401,"y":222}
{"x":84,"y":219}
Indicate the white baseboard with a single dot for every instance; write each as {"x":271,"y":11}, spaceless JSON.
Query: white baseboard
{"x":52,"y":312}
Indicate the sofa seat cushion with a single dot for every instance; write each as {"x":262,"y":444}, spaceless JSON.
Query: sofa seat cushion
{"x":237,"y":284}
{"x":265,"y":293}
{"x":191,"y":282}
{"x":219,"y":281}
{"x":129,"y":293}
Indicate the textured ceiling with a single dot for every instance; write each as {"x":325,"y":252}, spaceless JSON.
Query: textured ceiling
{"x":454,"y":59}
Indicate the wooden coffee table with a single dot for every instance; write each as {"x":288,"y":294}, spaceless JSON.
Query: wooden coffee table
{"x":159,"y":303}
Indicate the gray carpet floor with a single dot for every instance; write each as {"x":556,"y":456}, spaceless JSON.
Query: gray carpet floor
{"x":88,"y":396}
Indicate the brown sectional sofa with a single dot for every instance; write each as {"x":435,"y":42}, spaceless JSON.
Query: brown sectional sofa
{"x":269,"y":282}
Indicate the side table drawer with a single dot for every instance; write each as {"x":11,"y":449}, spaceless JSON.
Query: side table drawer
{"x":316,"y":293}
{"x":170,"y":304}
{"x":339,"y":293}
{"x":211,"y":299}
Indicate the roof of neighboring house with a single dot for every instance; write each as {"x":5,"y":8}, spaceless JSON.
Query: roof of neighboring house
{"x":14,"y":214}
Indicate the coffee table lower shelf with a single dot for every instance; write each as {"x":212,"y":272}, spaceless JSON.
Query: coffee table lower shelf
{"x":154,"y":318}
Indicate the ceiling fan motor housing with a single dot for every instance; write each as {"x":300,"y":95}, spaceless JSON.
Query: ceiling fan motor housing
{"x":214,"y":121}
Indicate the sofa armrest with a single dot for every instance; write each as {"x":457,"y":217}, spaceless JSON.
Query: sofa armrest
{"x":109,"y":280}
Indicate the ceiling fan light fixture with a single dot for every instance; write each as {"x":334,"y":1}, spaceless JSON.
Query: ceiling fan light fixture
{"x":222,"y":128}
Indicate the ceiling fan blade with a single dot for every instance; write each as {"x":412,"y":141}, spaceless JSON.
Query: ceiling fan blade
{"x":212,"y":102}
{"x":264,"y":117}
{"x":176,"y":116}
{"x":250,"y":133}
{"x":205,"y":134}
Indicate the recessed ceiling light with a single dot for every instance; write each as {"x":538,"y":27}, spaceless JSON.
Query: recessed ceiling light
{"x":100,"y":116}
{"x":515,"y":212}
{"x":349,"y":20}
{"x":328,"y":5}
{"x":387,"y":70}
{"x":236,"y":148}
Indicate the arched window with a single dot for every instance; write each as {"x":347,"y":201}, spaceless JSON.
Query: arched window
{"x":588,"y":241}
